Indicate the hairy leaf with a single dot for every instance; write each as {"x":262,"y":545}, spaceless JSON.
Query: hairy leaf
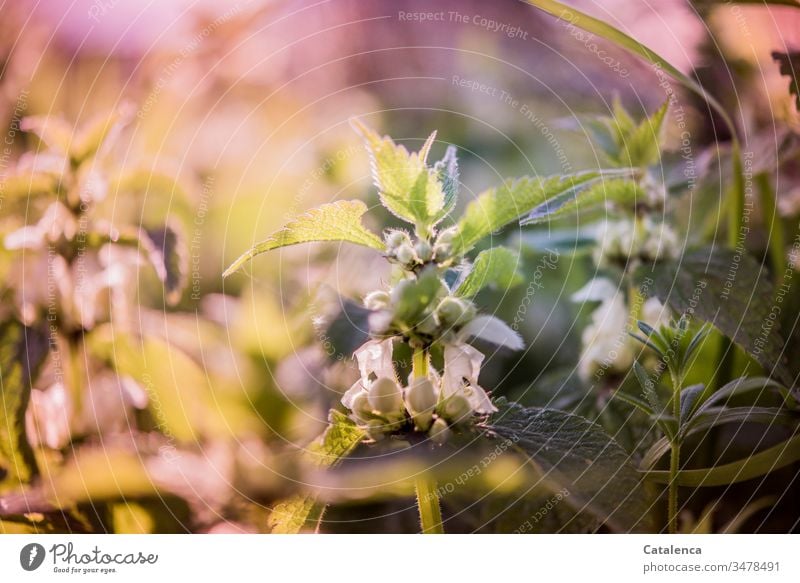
{"x":495,"y":267}
{"x":617,"y":192}
{"x":446,"y":170}
{"x":411,"y":298}
{"x":572,"y":453}
{"x":303,"y":510}
{"x":729,"y":290}
{"x":406,"y":186}
{"x":337,"y":221}
{"x":499,"y":206}
{"x":22,"y":352}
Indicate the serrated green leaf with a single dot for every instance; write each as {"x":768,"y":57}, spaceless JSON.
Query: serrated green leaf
{"x":640,"y":146}
{"x":499,"y":206}
{"x":570,"y":452}
{"x":303,"y":510}
{"x":618,"y":192}
{"x":406,"y":186}
{"x":22,"y":352}
{"x":337,"y":221}
{"x":729,"y":290}
{"x":20,"y":187}
{"x":446,"y":170}
{"x":495,"y":267}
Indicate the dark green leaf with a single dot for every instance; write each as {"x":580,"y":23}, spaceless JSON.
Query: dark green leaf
{"x":728,"y":289}
{"x":570,"y":452}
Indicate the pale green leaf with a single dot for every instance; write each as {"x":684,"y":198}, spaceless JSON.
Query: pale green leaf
{"x":754,"y":466}
{"x":495,"y":267}
{"x":303,"y":510}
{"x":497,"y":207}
{"x":618,"y":192}
{"x":572,"y":453}
{"x":337,"y":221}
{"x":406,"y":186}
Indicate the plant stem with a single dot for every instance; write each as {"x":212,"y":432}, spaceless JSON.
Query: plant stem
{"x":674,"y":458}
{"x":772,"y":222}
{"x":76,"y":374}
{"x":430,"y":515}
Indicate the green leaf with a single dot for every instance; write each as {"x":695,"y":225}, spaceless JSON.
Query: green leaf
{"x":412,"y":297}
{"x":570,"y":452}
{"x":22,"y":352}
{"x":166,"y":251}
{"x":499,"y":206}
{"x":495,"y":267}
{"x":789,"y":67}
{"x":293,"y":515}
{"x":739,"y":387}
{"x":406,"y":186}
{"x":730,"y":291}
{"x":576,"y":18}
{"x":689,"y":397}
{"x":617,"y":192}
{"x":759,"y":464}
{"x":642,"y":146}
{"x":337,"y":221}
{"x":446,"y":171}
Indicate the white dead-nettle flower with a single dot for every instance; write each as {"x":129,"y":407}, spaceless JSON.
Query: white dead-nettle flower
{"x":47,"y":420}
{"x":379,"y":401}
{"x":81,"y":291}
{"x":628,"y":242}
{"x":107,"y":406}
{"x":607,"y":346}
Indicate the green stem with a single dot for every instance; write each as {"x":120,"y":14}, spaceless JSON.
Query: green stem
{"x":430,"y":515}
{"x":774,"y":227}
{"x":672,"y":504}
{"x":674,"y":457}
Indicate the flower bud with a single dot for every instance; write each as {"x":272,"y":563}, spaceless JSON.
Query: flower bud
{"x":456,"y":409}
{"x":455,"y":311}
{"x":443,"y":246}
{"x":439,"y":432}
{"x":377,"y":300}
{"x":395,"y":238}
{"x":405,"y":254}
{"x":361,"y":407}
{"x":427,"y":325}
{"x":385,"y":396}
{"x":422,"y":421}
{"x":421,"y":395}
{"x":423,"y":250}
